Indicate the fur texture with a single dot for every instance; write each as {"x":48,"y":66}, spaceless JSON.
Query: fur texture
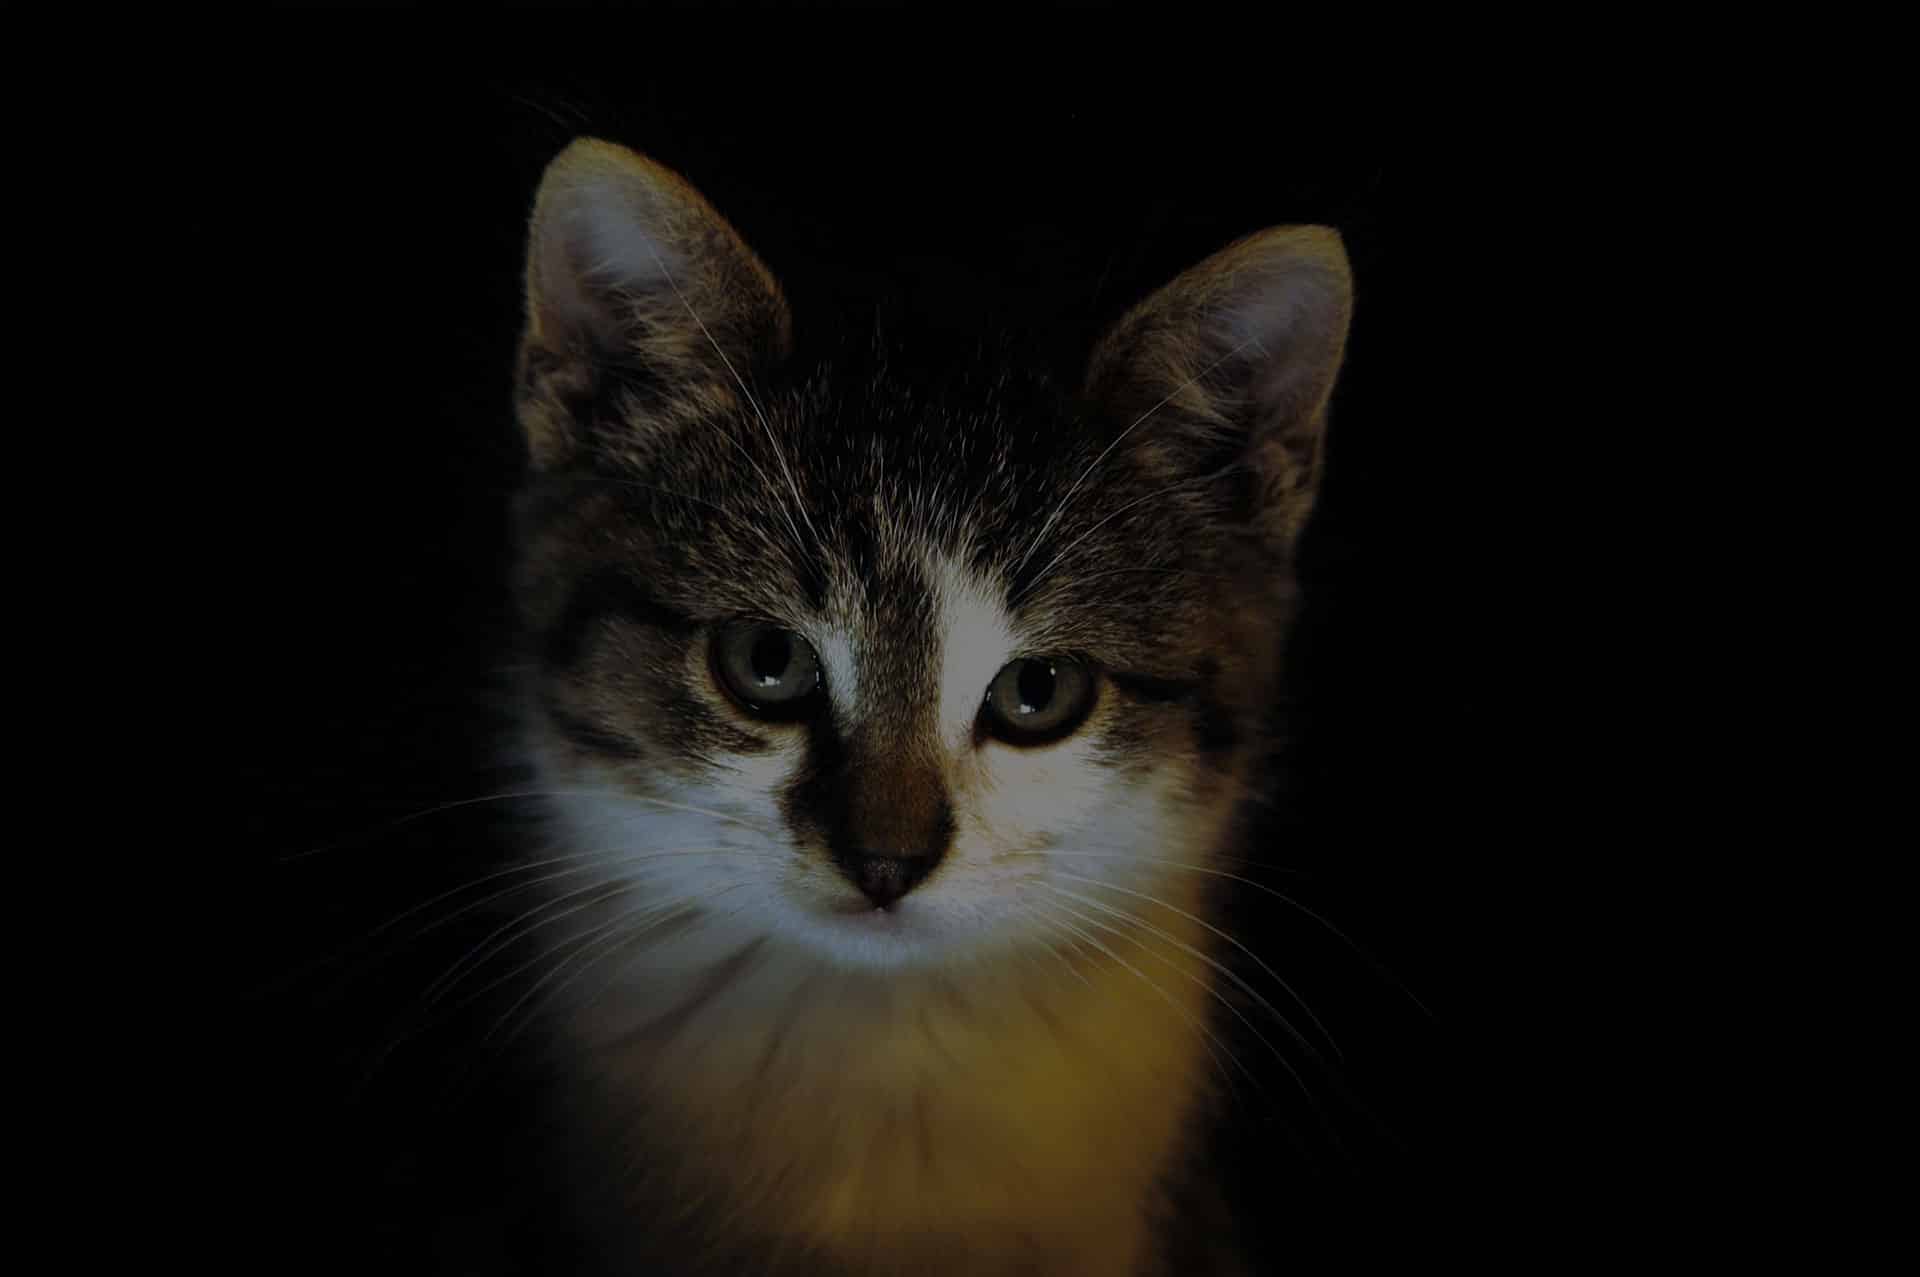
{"x":998,"y":1072}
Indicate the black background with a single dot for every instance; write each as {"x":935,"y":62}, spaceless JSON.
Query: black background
{"x":375,"y":227}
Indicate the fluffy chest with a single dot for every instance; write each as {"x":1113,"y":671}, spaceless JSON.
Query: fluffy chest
{"x":1018,"y":1117}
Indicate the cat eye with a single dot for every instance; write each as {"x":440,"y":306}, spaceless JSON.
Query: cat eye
{"x":1038,"y":699}
{"x":768,"y":669}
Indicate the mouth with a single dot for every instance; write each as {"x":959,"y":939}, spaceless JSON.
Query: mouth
{"x":867,"y":915}
{"x":863,"y":934}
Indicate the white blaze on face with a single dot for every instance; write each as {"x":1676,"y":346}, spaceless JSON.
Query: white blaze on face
{"x":976,"y":640}
{"x":836,"y":661}
{"x":1011,"y":794}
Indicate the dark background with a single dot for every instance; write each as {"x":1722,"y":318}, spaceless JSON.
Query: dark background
{"x":375,"y":232}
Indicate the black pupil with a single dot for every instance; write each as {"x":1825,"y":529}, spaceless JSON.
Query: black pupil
{"x":1036,"y":685}
{"x":770,"y":657}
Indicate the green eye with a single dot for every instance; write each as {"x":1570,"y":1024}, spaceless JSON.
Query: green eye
{"x":1039,"y":699}
{"x":767,"y":668}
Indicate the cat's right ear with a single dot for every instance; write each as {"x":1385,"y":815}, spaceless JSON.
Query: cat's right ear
{"x":630,"y":272}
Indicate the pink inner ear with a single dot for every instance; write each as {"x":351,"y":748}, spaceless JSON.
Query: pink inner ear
{"x":594,"y":245}
{"x":610,"y":240}
{"x":1291,"y":322}
{"x":1260,"y":323}
{"x":1268,"y":313}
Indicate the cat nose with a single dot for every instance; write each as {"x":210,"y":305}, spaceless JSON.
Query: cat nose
{"x":884,"y":879}
{"x":889,"y":823}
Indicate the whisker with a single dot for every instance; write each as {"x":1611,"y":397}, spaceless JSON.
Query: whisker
{"x":388,"y":827}
{"x":619,"y":943}
{"x":799,"y":502}
{"x":614,"y":857}
{"x":1379,"y":967}
{"x":1212,"y":1041}
{"x":397,"y":919}
{"x":1157,"y":860}
{"x":617,"y":859}
{"x":1085,"y":577}
{"x":1060,"y":509}
{"x":431,"y":998}
{"x":571,"y":942}
{"x":661,"y":912}
{"x":1201,"y":981}
{"x":1211,"y":961}
{"x":575,"y":125}
{"x":424,"y":1015}
{"x":595,"y":860}
{"x":623,"y":937}
{"x":1041,"y":575}
{"x":515,"y":795}
{"x":461,"y":969}
{"x":1191,"y":917}
{"x":340,"y":955}
{"x":1051,"y":950}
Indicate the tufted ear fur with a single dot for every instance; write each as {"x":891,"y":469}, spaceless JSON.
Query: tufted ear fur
{"x":630,"y":272}
{"x":1237,"y":357}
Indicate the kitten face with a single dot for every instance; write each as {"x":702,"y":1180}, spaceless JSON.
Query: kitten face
{"x":901,"y":583}
{"x":883,"y":669}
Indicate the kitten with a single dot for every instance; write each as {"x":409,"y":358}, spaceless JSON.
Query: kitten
{"x":889,"y":724}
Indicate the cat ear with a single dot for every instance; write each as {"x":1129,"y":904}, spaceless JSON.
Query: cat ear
{"x":1235,"y":361}
{"x":630,"y":272}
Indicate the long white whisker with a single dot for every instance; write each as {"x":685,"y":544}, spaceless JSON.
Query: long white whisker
{"x":662,"y":910}
{"x":514,"y":795}
{"x":1060,"y":509}
{"x":1041,"y":575}
{"x":613,"y":859}
{"x":361,"y":942}
{"x":780,"y":457}
{"x":1141,"y":895}
{"x":1156,"y":860}
{"x":1342,"y":936}
{"x":619,"y":943}
{"x":1211,"y":961}
{"x":493,"y":943}
{"x":575,"y":942}
{"x":594,"y":859}
{"x":591,"y":857}
{"x":1212,"y":1042}
{"x":1224,"y":1001}
{"x":432,"y":997}
{"x":1085,"y":577}
{"x":1193,"y":978}
{"x":1070,"y":968}
{"x":622,"y":937}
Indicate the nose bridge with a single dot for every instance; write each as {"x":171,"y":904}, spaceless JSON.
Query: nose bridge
{"x":894,"y":819}
{"x":896,"y":796}
{"x":896,"y":800}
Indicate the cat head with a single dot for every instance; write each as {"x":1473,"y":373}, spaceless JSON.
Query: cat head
{"x":875,"y":664}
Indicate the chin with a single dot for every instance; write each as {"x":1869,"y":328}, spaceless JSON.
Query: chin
{"x":919,"y":930}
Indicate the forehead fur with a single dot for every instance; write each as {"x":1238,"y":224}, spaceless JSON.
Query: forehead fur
{"x":833,"y":490}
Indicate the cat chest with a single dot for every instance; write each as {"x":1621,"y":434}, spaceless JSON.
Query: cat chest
{"x":925,"y":1136}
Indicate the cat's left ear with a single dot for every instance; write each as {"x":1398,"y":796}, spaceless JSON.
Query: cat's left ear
{"x":1235,"y":360}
